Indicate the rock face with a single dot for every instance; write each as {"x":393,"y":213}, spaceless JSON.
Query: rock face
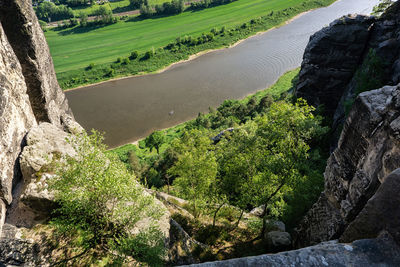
{"x":29,"y":92}
{"x":382,"y":211}
{"x":330,"y":60}
{"x":366,"y":252}
{"x":33,"y":202}
{"x":23,"y":31}
{"x":16,"y":117}
{"x":368,"y":149}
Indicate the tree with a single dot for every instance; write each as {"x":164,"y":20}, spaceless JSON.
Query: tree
{"x":136,"y":4}
{"x":262,"y":160}
{"x":195,"y":169}
{"x":104,"y":14}
{"x":155,"y":140}
{"x":83,"y":19}
{"x":100,"y":202}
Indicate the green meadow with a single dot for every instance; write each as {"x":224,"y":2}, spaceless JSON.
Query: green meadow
{"x":77,"y":47}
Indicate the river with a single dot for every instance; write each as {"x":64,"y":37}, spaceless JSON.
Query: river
{"x":129,"y":109}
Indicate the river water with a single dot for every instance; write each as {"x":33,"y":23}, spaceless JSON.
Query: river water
{"x":129,"y":109}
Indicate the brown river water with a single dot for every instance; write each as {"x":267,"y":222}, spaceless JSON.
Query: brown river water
{"x":129,"y":109}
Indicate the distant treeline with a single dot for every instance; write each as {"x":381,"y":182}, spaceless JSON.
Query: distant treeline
{"x":174,"y":7}
{"x":209,"y":3}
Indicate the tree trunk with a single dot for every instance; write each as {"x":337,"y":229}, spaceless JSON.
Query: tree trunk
{"x":238,"y":221}
{"x":215,"y":213}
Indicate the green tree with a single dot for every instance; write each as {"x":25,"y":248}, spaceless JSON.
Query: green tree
{"x":83,"y":19}
{"x":155,"y":140}
{"x":195,"y":168}
{"x":262,"y":161}
{"x":101,"y":203}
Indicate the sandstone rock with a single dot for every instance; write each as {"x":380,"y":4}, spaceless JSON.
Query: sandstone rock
{"x":368,"y":150}
{"x":384,"y":40}
{"x":44,"y":143}
{"x":18,"y":252}
{"x":382,"y":212}
{"x":16,"y":116}
{"x":367,"y":252}
{"x":182,"y":246}
{"x":330,"y":60}
{"x":23,"y":31}
{"x":278,"y":241}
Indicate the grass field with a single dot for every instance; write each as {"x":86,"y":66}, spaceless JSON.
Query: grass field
{"x":77,"y":47}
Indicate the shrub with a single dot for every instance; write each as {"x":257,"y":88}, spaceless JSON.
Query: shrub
{"x":134,"y":55}
{"x":126,"y":61}
{"x":149,"y":54}
{"x":90,"y":67}
{"x":101,"y":202}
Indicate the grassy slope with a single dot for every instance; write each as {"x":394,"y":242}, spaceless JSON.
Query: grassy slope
{"x":284,"y":84}
{"x":105,"y":44}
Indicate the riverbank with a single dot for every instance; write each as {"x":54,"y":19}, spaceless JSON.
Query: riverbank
{"x":184,"y":49}
{"x":283,"y":85}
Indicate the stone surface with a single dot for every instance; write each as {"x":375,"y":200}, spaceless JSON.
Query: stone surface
{"x":382,"y":212}
{"x":23,"y":31}
{"x":384,"y":40}
{"x":330,"y":60}
{"x":278,"y":241}
{"x":368,"y":150}
{"x":33,"y":201}
{"x":16,"y":117}
{"x":18,"y":252}
{"x":181,"y":246}
{"x":382,"y":252}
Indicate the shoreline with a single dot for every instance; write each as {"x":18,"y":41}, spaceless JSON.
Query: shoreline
{"x":136,"y":142}
{"x":194,"y":56}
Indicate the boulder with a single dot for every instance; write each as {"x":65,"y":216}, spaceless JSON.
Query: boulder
{"x":278,"y":241}
{"x":331,"y":59}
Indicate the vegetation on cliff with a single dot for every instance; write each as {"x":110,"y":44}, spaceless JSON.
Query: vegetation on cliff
{"x":100,"y":205}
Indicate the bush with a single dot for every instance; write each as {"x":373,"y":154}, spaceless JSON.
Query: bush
{"x":148,"y":55}
{"x":93,"y":191}
{"x":90,"y":67}
{"x":126,"y":61}
{"x":134,"y":55}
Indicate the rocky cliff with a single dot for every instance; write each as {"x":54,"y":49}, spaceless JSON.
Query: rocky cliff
{"x":358,"y":176}
{"x":29,"y":92}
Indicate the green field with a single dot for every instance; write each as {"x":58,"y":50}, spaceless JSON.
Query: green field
{"x":75,"y":48}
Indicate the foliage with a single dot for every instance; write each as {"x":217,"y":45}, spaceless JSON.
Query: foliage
{"x":261,"y":162}
{"x":48,"y":11}
{"x":208,"y":3}
{"x":137,"y":3}
{"x":155,"y":140}
{"x":370,"y":75}
{"x":167,"y":8}
{"x":195,"y":168}
{"x":100,"y":201}
{"x":381,"y":7}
